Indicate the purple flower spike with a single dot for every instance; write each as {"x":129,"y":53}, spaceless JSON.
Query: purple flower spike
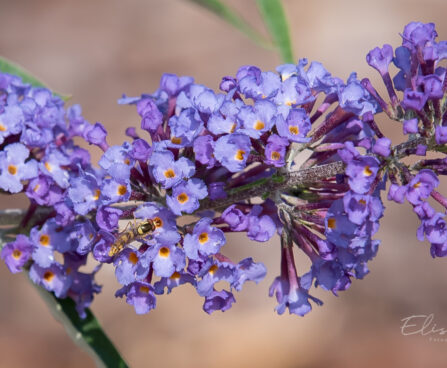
{"x":17,"y":253}
{"x":380,"y":59}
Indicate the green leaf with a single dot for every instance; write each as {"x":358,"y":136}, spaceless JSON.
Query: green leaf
{"x":7,"y":66}
{"x":87,"y":333}
{"x":229,"y":15}
{"x":274,"y":18}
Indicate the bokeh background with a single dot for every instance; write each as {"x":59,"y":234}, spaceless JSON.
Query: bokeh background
{"x":97,"y":50}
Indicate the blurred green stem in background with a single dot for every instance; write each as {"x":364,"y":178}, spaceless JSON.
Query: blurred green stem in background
{"x":272,"y":13}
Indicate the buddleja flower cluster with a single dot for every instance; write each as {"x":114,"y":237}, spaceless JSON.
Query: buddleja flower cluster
{"x":295,"y":152}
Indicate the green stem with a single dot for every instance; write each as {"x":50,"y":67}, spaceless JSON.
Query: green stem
{"x":86,"y":333}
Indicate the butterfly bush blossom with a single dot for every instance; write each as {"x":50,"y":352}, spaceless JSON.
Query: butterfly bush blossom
{"x":301,"y":141}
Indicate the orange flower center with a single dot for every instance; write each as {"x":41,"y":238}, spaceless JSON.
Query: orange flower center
{"x":239,"y":155}
{"x":182,"y":198}
{"x":133,"y":258}
{"x":203,"y":238}
{"x":16,"y":254}
{"x":275,"y":156}
{"x":44,"y":240}
{"x":169,"y":173}
{"x":331,"y":223}
{"x":12,"y":169}
{"x":294,"y":130}
{"x":122,"y":189}
{"x":258,"y":125}
{"x":164,"y":252}
{"x":48,"y":276}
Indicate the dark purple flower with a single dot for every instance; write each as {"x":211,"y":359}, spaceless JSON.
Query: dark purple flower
{"x":414,"y":99}
{"x":397,"y":193}
{"x":275,"y":150}
{"x":107,"y":218}
{"x":140,"y":295}
{"x":204,"y":150}
{"x":441,"y":134}
{"x":176,"y":279}
{"x":417,"y":34}
{"x":411,"y":126}
{"x":247,"y":270}
{"x":382,"y":147}
{"x":216,"y":190}
{"x":151,"y":116}
{"x":218,"y":300}
{"x":97,"y":135}
{"x":44,"y":191}
{"x":260,"y":227}
{"x":421,"y":186}
{"x":235,"y":218}
{"x":380,"y":59}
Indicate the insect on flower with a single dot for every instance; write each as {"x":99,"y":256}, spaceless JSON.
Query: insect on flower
{"x":133,"y":231}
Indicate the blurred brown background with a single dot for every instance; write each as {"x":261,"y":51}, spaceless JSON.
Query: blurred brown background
{"x":96,"y":50}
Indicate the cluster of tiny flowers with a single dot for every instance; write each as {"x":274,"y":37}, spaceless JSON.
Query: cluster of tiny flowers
{"x":208,"y":155}
{"x":38,"y":157}
{"x":423,"y":115}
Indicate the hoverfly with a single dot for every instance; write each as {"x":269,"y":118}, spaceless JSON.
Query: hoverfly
{"x":136,"y":231}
